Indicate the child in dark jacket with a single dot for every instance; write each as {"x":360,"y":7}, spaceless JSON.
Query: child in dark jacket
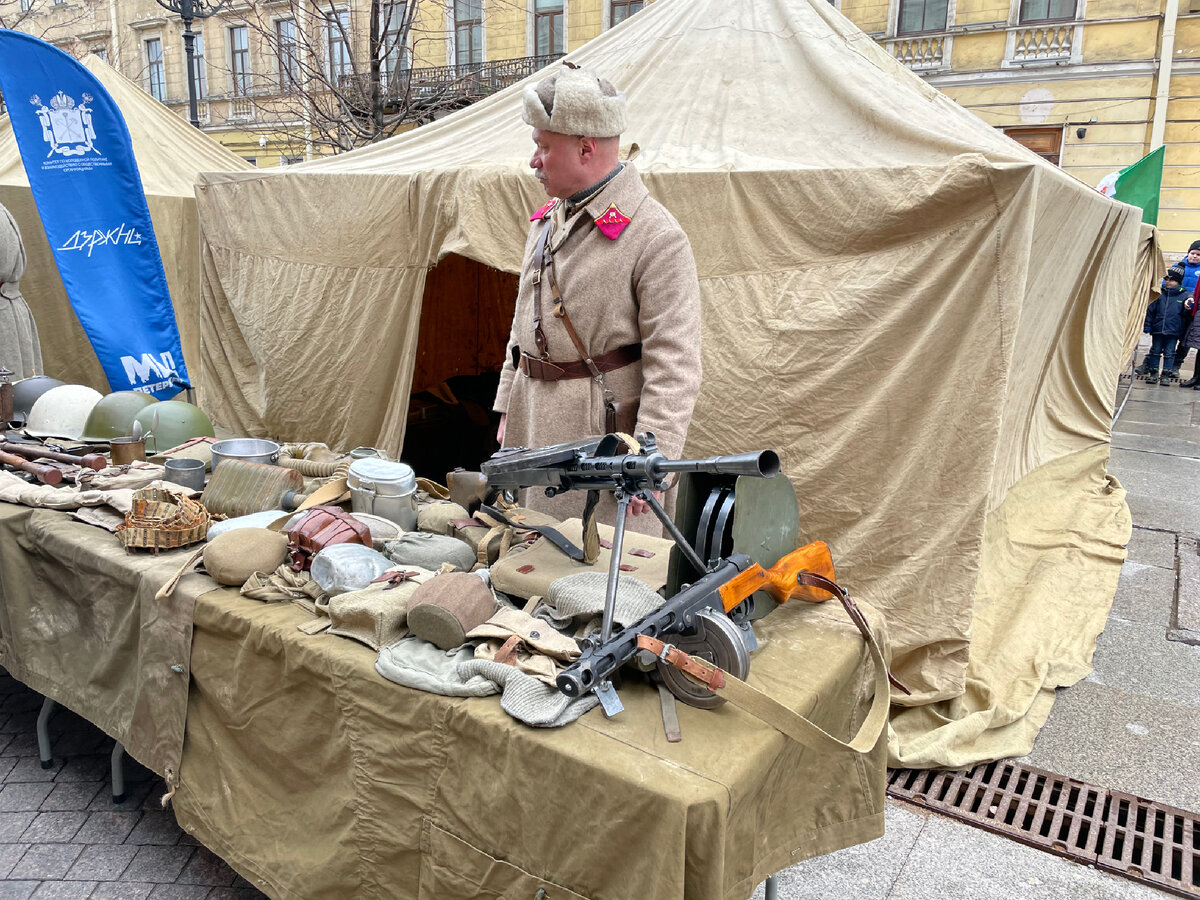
{"x":1165,"y":322}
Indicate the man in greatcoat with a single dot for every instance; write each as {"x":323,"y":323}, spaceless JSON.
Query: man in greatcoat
{"x":627,"y":280}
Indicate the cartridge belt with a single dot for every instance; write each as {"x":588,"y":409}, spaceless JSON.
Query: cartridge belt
{"x":551,"y":370}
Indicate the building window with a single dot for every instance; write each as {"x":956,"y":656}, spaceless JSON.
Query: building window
{"x":623,"y":9}
{"x":548,"y":27}
{"x":468,"y":32}
{"x":199,"y":73}
{"x":287,"y":49}
{"x":338,"y":29}
{"x":100,"y":52}
{"x":24,"y":5}
{"x":154,"y":69}
{"x":1047,"y":10}
{"x":392,"y":48}
{"x":290,"y":160}
{"x":1046,"y":142}
{"x":239,"y":59}
{"x":917,"y":16}
{"x":253,"y":160}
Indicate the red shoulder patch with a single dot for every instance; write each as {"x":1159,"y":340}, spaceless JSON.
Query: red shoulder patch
{"x":612,"y":222}
{"x":544,"y":211}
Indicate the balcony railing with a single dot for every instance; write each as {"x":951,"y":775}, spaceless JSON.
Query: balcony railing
{"x":1042,"y":43}
{"x":433,"y":86}
{"x":241,"y":109}
{"x":202,"y":112}
{"x":922,"y":52}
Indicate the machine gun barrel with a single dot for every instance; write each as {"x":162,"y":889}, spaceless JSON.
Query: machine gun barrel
{"x":636,"y":470}
{"x":758,"y":463}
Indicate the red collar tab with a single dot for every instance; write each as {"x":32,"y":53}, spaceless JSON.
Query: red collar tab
{"x":612,"y":223}
{"x":544,"y":211}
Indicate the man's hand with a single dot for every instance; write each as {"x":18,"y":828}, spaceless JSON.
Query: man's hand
{"x":638,"y":506}
{"x":500,"y":430}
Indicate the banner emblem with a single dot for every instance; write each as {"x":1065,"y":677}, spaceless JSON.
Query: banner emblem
{"x":65,"y":126}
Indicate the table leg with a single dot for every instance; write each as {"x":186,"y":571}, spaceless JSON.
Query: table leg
{"x":43,"y":732}
{"x":771,"y":886}
{"x":118,"y":773}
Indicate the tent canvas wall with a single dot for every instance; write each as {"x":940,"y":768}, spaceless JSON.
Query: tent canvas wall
{"x":169,"y":153}
{"x":923,"y":317}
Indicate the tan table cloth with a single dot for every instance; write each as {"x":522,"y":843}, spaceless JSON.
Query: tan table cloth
{"x":316,"y":778}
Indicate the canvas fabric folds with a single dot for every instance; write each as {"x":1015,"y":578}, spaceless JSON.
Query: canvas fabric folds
{"x":79,"y":622}
{"x":939,"y":314}
{"x":421,"y":795}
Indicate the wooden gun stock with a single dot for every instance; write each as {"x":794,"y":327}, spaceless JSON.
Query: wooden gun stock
{"x":781,"y":580}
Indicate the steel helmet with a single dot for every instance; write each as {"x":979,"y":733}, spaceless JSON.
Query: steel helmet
{"x":113,"y":415}
{"x":25,"y":394}
{"x":171,"y":422}
{"x":62,"y":412}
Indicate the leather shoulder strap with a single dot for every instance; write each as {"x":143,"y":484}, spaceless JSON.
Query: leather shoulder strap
{"x":539,"y":265}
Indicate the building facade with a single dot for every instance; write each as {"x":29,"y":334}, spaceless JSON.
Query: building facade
{"x":1091,"y":85}
{"x":282,"y":81}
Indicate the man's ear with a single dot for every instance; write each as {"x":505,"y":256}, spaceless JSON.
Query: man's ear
{"x":587,"y":148}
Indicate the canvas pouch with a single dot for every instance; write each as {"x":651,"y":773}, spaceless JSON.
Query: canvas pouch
{"x":527,"y":571}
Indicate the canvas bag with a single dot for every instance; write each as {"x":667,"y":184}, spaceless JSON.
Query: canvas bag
{"x":528,"y":571}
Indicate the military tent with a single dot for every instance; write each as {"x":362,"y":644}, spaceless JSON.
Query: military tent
{"x":923,"y":317}
{"x":169,"y":153}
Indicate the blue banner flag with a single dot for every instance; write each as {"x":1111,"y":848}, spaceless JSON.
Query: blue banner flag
{"x":76,"y":150}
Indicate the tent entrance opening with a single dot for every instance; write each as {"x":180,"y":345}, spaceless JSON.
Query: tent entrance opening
{"x":466,"y":313}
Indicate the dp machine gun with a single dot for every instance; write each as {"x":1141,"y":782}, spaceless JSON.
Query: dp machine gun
{"x":709,"y":618}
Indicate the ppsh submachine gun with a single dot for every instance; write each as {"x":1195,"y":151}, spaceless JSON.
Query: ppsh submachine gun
{"x":709,"y":618}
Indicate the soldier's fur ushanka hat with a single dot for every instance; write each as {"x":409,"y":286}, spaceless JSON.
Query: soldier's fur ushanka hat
{"x":575,"y":101}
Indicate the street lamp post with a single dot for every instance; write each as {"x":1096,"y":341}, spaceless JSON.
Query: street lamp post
{"x":190,"y":10}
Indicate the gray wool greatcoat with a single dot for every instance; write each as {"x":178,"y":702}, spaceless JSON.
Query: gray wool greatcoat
{"x":639,"y":286}
{"x":20,"y":351}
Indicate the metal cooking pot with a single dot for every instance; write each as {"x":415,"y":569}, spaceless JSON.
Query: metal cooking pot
{"x":250,"y":449}
{"x":384,"y":488}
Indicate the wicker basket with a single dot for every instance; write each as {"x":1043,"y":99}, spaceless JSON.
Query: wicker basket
{"x":163,"y":520}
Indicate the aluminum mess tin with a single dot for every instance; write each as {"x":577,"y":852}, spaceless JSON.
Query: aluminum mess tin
{"x":385,"y":488}
{"x":248,"y":449}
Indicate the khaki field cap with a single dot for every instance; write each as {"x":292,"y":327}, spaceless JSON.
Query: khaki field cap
{"x":575,"y":101}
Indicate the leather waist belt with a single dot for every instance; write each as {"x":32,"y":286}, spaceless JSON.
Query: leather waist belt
{"x":550,"y":370}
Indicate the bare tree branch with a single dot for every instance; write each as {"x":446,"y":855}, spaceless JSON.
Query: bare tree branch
{"x":351,"y":82}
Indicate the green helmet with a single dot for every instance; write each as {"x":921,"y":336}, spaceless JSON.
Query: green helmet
{"x":113,"y":415}
{"x":25,"y":394}
{"x":168,"y":423}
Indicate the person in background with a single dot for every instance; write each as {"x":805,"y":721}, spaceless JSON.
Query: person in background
{"x":1191,"y":275}
{"x":20,"y":351}
{"x":1165,"y":321}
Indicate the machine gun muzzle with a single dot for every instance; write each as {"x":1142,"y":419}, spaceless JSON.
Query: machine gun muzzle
{"x":759,"y":463}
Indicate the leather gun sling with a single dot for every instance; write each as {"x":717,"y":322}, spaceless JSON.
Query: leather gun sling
{"x":774,"y":713}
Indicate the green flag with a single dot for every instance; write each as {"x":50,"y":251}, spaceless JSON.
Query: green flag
{"x":1139,"y":184}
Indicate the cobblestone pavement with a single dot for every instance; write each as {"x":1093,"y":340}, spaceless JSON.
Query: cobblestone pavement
{"x":61,"y":835}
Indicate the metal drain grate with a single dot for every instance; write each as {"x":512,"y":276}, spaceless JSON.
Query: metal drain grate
{"x":1121,"y":833}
